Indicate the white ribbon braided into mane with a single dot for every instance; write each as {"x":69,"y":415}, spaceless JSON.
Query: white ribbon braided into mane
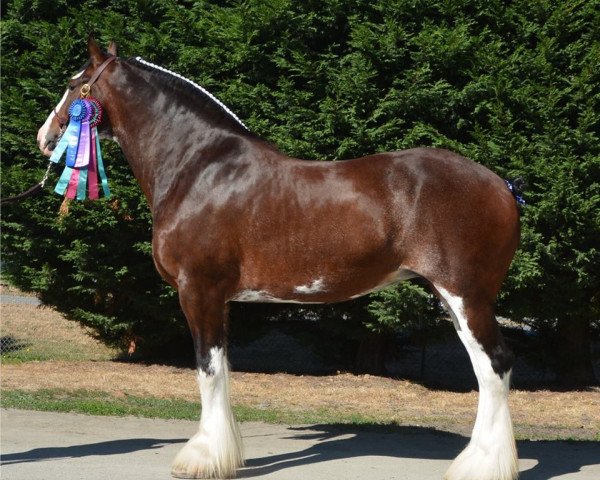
{"x":194,"y":84}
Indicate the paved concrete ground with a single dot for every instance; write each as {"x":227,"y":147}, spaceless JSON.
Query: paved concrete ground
{"x":19,"y":300}
{"x":41,"y":445}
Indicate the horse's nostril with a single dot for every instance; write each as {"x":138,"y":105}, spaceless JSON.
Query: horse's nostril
{"x":49,"y":145}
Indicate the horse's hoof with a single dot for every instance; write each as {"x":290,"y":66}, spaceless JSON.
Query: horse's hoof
{"x":478,"y":464}
{"x":198,"y":460}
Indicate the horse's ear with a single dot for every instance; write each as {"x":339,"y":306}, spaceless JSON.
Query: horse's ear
{"x":94,"y":50}
{"x":112,"y":48}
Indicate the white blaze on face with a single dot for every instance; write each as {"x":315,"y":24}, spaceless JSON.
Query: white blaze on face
{"x":43,"y":131}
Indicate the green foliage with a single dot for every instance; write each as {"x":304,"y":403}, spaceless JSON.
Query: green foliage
{"x":512,"y":85}
{"x":94,"y":264}
{"x":405,"y":307}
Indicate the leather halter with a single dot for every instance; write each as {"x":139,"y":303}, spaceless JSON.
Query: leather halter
{"x":85,"y":88}
{"x":62,"y":121}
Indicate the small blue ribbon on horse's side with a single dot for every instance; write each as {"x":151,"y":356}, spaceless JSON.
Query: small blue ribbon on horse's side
{"x":515,"y":191}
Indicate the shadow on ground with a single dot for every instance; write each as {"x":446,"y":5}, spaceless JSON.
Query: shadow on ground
{"x":112,"y":447}
{"x":554,"y":458}
{"x":336,"y":442}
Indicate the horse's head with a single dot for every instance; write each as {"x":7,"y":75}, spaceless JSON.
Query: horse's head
{"x":50,"y":132}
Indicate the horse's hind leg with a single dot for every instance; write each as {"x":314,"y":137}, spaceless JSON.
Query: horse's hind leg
{"x":216,"y":450}
{"x":491,"y":453}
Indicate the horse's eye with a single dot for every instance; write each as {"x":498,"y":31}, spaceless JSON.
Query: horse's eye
{"x":71,"y":88}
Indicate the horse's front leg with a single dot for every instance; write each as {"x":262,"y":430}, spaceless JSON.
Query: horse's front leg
{"x":216,"y":450}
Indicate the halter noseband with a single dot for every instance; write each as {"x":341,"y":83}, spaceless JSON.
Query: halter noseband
{"x":62,"y":121}
{"x":86,"y":87}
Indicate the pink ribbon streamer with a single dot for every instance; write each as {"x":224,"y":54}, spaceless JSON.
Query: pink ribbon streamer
{"x":93,"y":170}
{"x":72,"y":187}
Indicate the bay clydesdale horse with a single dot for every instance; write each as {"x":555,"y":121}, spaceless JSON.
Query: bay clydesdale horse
{"x":235,"y":219}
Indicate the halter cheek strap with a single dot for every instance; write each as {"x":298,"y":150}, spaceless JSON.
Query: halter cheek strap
{"x":85,"y":88}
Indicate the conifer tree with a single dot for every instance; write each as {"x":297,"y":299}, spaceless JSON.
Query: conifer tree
{"x":512,"y":85}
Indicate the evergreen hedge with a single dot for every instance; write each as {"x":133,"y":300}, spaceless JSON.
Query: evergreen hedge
{"x":512,"y":85}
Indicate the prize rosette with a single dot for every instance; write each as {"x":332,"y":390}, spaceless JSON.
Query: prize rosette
{"x":79,"y":110}
{"x":84,"y":164}
{"x":96,"y":115}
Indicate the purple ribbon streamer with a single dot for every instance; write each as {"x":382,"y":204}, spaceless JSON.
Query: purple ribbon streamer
{"x":83,"y":148}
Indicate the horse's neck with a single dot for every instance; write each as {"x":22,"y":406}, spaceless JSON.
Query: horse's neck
{"x":166,"y":142}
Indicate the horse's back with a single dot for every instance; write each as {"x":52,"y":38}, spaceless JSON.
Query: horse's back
{"x":436,"y":190}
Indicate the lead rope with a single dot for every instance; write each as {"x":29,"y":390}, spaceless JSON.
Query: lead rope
{"x":37,"y":188}
{"x":47,"y":174}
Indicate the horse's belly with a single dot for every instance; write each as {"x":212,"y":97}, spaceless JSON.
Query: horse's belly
{"x":321,"y":289}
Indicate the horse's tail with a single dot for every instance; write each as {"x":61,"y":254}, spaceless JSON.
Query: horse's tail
{"x":517,"y":188}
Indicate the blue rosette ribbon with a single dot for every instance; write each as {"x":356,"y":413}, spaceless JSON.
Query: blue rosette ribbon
{"x":78,"y":111}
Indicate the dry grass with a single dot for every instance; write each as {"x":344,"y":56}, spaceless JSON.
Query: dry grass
{"x":6,"y":289}
{"x":42,"y":333}
{"x":537,"y":415}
